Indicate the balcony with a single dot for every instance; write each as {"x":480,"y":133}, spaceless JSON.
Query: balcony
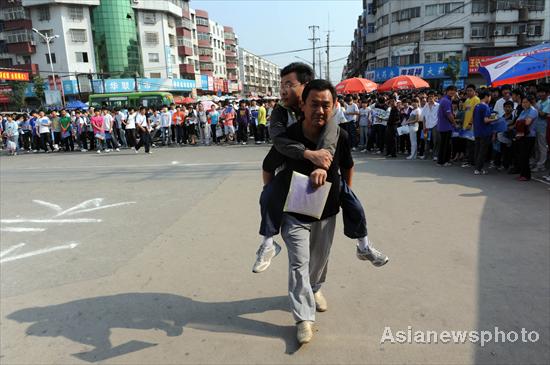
{"x":232,"y":77}
{"x":205,"y":58}
{"x":23,"y":48}
{"x":17,"y":24}
{"x":187,"y":69}
{"x":32,"y":68}
{"x":204,"y":43}
{"x":206,"y":67}
{"x":230,"y":54}
{"x":229,"y":41}
{"x":182,"y":32}
{"x":207,"y":72}
{"x":185,"y":51}
{"x":203,"y":28}
{"x":232,"y":66}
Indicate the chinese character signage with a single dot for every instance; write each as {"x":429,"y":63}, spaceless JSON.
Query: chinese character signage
{"x":14,"y":75}
{"x":473,"y":63}
{"x":424,"y":71}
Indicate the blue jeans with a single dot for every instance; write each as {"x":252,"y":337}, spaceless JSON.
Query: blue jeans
{"x":272,"y":201}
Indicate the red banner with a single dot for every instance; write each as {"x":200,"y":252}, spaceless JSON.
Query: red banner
{"x":473,"y":63}
{"x":14,"y":75}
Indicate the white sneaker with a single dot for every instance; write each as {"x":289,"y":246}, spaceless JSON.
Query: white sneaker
{"x":435,"y":159}
{"x":304,"y":332}
{"x":264,"y":256}
{"x":107,"y":150}
{"x":320,"y":301}
{"x":98,"y":151}
{"x":149,"y":153}
{"x":411,"y":158}
{"x":363,"y":150}
{"x":118,"y":150}
{"x":83,"y":150}
{"x":136,"y":151}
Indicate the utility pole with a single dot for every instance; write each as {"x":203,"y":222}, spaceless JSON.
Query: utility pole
{"x":327,"y":71}
{"x":320,"y":65}
{"x":314,"y":40}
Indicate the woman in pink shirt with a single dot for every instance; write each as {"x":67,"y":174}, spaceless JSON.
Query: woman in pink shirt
{"x":99,"y":131}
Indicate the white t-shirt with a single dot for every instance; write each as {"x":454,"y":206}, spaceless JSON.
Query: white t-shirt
{"x":414,"y":117}
{"x":165,"y":119}
{"x":107,"y":122}
{"x":141,"y":120}
{"x":499,"y":106}
{"x":131,"y":124}
{"x":351,"y":109}
{"x":120,"y":116}
{"x":429,"y":115}
{"x":364,"y":117}
{"x":42,"y":125}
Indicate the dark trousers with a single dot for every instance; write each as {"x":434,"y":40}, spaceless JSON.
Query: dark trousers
{"x":57,"y":138}
{"x":444,"y":148}
{"x":481,"y":150}
{"x":84,"y":140}
{"x":173,"y":130}
{"x":470,"y":152}
{"x":380,"y":135}
{"x":420,"y":141}
{"x":179,"y":133}
{"x":254,"y":131}
{"x":36,"y":142}
{"x":213,"y":133}
{"x":144,"y":140}
{"x":131,"y":137}
{"x":526,"y":145}
{"x":242,"y":133}
{"x":348,"y":127}
{"x":26,"y":140}
{"x":68,"y":143}
{"x":261,"y":133}
{"x":391,"y":131}
{"x":272,"y":203}
{"x":46,"y":138}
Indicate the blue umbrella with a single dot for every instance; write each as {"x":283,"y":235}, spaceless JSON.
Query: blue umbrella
{"x":519,"y":66}
{"x":76,"y":104}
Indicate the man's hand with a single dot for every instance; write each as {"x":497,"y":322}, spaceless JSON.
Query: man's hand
{"x":318,"y":178}
{"x":321,"y":158}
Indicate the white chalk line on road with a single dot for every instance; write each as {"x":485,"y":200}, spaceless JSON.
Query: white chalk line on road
{"x":11,"y":249}
{"x":34,"y":253}
{"x":52,"y":221}
{"x":21,"y":229}
{"x":258,"y":163}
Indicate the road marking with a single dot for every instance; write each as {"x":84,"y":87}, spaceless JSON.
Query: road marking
{"x":84,"y":205}
{"x":102,"y":207}
{"x":54,"y":221}
{"x":175,"y":162}
{"x":542,"y":181}
{"x":22,"y":229}
{"x":55,"y":207}
{"x":258,"y":163}
{"x":11,"y":249}
{"x":37,"y":252}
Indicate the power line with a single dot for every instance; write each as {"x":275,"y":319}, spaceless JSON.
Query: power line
{"x":314,"y":40}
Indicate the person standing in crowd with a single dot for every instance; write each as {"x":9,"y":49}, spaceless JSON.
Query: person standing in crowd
{"x":91,"y":139}
{"x":44,"y":125}
{"x":120,"y":118}
{"x":56,"y":130}
{"x":253,"y":123}
{"x":482,"y":131}
{"x":108,"y":125}
{"x":98,"y":126}
{"x":445,"y":125}
{"x":262,"y":122}
{"x":414,"y":117}
{"x":144,"y":128}
{"x":178,"y":118}
{"x":214,"y":121}
{"x":172,"y":111}
{"x":11,"y":131}
{"x":191,"y":121}
{"x":391,"y":129}
{"x":35,"y":132}
{"x":243,"y":119}
{"x":364,"y":124}
{"x":506,"y":91}
{"x":228,"y":116}
{"x":543,"y":108}
{"x":270,"y":107}
{"x":130,"y":128}
{"x":26,"y":132}
{"x":469,"y":106}
{"x":351,"y":113}
{"x":380,"y":121}
{"x":526,"y":136}
{"x":165,"y":122}
{"x":204,"y":127}
{"x":66,"y":131}
{"x":431,"y":134}
{"x":82,"y":129}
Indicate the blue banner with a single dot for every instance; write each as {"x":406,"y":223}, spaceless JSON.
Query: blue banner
{"x":204,"y":82}
{"x":426,"y":71}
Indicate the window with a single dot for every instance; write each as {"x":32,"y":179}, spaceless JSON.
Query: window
{"x":43,"y":13}
{"x":46,"y":32}
{"x":405,"y":38}
{"x":447,"y":33}
{"x":535,"y":5}
{"x":48,"y":58}
{"x":171,"y":22}
{"x":506,"y":29}
{"x":76,"y":12}
{"x":383,"y":20}
{"x":154,"y":75}
{"x":431,"y":57}
{"x":203,"y":36}
{"x":440,"y":9}
{"x":19,"y":36}
{"x":480,"y":6}
{"x":203,"y":51}
{"x":151,"y":38}
{"x":405,"y":14}
{"x":202,"y":21}
{"x":15,"y":13}
{"x":478,"y":30}
{"x":172,"y":40}
{"x":149,"y":18}
{"x":153,"y":57}
{"x":534,"y":29}
{"x":78,"y":35}
{"x":82,"y":57}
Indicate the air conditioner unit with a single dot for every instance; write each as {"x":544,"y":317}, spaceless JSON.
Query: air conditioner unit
{"x":497,"y":33}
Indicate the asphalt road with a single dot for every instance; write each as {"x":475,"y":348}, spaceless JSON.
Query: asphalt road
{"x":124,"y":259}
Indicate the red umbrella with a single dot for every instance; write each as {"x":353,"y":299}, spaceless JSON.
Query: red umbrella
{"x":403,"y":82}
{"x":356,"y":85}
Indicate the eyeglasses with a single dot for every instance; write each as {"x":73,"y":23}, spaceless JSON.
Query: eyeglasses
{"x":288,"y":86}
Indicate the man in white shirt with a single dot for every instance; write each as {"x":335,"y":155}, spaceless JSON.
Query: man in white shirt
{"x":144,"y":129}
{"x":429,"y":116}
{"x":351,"y":114}
{"x":165,"y":122}
{"x":108,"y":124}
{"x":506,"y":95}
{"x":130,"y":124}
{"x":120,"y":118}
{"x":44,"y":125}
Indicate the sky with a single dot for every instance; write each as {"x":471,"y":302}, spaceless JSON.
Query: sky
{"x":271,"y":26}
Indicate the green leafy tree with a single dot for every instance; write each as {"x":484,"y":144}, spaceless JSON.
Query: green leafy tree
{"x":18,"y":94}
{"x":39,"y":88}
{"x":452,"y":70}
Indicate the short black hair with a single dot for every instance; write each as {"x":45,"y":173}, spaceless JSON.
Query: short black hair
{"x":304,"y":73}
{"x":506,"y":87}
{"x":518,"y":92}
{"x":471,"y":86}
{"x":483,"y":94}
{"x":319,"y":85}
{"x":508,"y":103}
{"x":450,"y":88}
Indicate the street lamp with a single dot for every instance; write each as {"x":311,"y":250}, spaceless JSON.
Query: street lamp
{"x":48,"y":39}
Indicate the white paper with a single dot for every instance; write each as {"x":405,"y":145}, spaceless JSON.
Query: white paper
{"x":303,"y":199}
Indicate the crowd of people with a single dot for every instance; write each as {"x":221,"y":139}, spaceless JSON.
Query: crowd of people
{"x":497,"y":128}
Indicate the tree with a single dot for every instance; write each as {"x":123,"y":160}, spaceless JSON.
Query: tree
{"x":18,"y":94}
{"x":39,"y":88}
{"x":452,"y":70}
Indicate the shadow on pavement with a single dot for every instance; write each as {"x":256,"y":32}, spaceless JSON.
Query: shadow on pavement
{"x":89,"y":321}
